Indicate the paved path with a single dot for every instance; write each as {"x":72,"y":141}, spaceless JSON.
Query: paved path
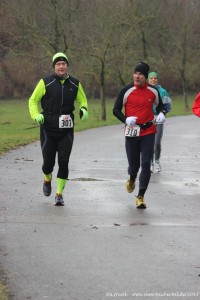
{"x":99,"y":246}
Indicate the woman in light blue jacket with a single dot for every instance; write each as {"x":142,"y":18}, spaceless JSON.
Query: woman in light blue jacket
{"x":153,"y":80}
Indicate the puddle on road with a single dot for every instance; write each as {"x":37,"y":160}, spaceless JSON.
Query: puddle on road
{"x":138,"y":223}
{"x":85,"y":179}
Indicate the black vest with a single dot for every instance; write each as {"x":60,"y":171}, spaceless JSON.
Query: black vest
{"x":58,"y":100}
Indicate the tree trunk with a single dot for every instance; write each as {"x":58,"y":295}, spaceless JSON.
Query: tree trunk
{"x":186,"y":101}
{"x":185,"y":98}
{"x":103,"y":103}
{"x":102,"y":94}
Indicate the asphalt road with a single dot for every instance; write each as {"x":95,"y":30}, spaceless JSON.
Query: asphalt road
{"x":99,"y":246}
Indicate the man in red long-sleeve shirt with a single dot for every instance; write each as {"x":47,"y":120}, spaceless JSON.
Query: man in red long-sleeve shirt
{"x":138,"y":99}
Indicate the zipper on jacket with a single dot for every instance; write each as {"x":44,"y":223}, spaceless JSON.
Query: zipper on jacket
{"x":61,"y":101}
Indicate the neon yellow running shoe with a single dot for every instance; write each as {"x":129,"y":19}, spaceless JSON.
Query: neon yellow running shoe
{"x":140,"y":202}
{"x":130,"y":185}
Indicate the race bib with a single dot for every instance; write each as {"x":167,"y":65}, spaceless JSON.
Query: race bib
{"x":132,"y":131}
{"x":65,"y":121}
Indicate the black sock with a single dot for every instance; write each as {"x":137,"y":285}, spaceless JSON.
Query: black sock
{"x":141,"y":192}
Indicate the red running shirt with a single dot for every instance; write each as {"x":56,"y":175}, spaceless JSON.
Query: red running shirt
{"x":138,"y":102}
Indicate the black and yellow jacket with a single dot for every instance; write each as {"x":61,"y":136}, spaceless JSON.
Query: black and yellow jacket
{"x":57,"y":98}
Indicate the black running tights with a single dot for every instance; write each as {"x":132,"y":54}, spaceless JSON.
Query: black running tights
{"x":139,"y":152}
{"x":60,"y":144}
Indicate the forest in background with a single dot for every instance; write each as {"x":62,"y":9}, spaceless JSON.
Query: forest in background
{"x":103,"y":40}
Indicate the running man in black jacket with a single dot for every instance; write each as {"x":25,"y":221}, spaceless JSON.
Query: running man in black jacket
{"x":57,"y":94}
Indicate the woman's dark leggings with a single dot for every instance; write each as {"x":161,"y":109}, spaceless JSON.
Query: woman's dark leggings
{"x":52,"y":144}
{"x":139,"y":152}
{"x":158,"y":138}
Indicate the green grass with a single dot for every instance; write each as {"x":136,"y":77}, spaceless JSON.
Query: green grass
{"x":178,"y":107}
{"x":3,"y":292}
{"x":17,"y":128}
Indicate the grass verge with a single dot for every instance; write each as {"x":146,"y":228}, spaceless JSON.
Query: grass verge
{"x":17,"y":128}
{"x":3,"y":289}
{"x":3,"y":292}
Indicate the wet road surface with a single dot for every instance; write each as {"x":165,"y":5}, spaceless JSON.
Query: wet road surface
{"x":99,"y":246}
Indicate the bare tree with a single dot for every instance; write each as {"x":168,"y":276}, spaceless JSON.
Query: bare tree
{"x":185,"y":42}
{"x":99,"y":44}
{"x":103,"y":40}
{"x":40,"y":28}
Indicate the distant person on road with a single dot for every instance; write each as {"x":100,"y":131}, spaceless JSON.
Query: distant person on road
{"x":57,"y":94}
{"x":196,"y":106}
{"x":153,"y":80}
{"x":138,"y":99}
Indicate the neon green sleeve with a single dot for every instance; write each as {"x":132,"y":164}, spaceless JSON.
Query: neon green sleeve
{"x":36,"y":96}
{"x":81,"y":97}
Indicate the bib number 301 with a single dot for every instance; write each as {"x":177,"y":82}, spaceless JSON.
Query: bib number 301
{"x":132,"y":131}
{"x":65,"y":121}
